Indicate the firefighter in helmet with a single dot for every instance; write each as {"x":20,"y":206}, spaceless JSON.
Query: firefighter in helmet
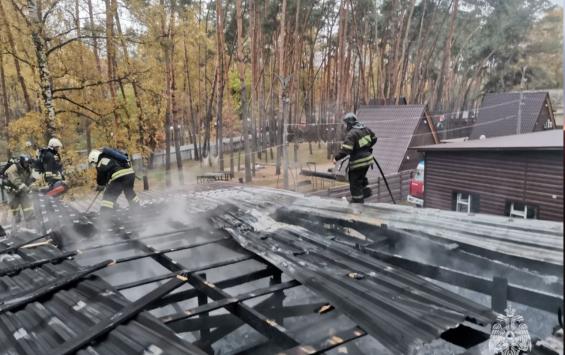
{"x":358,"y":144}
{"x":51,"y":163}
{"x":114,"y":174}
{"x":17,"y":181}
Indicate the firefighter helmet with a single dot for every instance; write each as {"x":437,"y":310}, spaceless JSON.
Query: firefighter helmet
{"x":54,"y":143}
{"x":25,"y":161}
{"x":93,"y":156}
{"x":350,"y":119}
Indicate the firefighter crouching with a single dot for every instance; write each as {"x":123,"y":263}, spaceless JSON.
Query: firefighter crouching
{"x":17,"y":181}
{"x":358,"y":144}
{"x":114,"y":173}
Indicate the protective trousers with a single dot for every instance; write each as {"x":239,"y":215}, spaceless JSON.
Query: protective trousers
{"x":21,"y":201}
{"x":358,"y":183}
{"x":115,"y":188}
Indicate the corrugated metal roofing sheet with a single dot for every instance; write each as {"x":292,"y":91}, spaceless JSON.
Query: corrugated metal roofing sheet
{"x":498,"y":115}
{"x":544,"y":140}
{"x":56,"y":318}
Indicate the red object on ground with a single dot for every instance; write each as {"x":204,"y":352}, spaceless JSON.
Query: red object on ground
{"x":57,"y":190}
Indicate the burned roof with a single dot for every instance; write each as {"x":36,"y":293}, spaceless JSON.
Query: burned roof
{"x":196,"y":264}
{"x":395,"y":128}
{"x":498,"y":115}
{"x":49,"y":306}
{"x":544,"y":140}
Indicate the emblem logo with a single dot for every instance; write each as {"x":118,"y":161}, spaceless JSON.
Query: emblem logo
{"x":509,"y":334}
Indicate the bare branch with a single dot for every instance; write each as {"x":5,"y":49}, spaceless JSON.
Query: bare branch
{"x":84,"y":86}
{"x":48,"y":39}
{"x":70,"y":40}
{"x":25,"y":61}
{"x":78,"y":113}
{"x":49,"y":10}
{"x":21,"y":12}
{"x":65,"y":98}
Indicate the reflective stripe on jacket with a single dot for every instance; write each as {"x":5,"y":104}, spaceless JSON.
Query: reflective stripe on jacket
{"x":109,"y":169}
{"x":358,"y":144}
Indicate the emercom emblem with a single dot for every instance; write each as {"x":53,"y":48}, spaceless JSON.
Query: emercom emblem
{"x":509,"y":334}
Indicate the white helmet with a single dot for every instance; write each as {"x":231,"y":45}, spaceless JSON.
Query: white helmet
{"x":54,"y":143}
{"x":93,"y":156}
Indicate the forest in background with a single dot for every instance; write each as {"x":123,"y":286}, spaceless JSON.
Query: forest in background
{"x":151,"y":75}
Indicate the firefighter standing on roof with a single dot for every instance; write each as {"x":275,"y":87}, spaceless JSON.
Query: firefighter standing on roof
{"x":50,"y":161}
{"x":358,"y":144}
{"x":116,"y":175}
{"x":17,"y":181}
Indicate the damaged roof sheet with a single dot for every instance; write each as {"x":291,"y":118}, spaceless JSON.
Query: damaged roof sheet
{"x":399,"y":309}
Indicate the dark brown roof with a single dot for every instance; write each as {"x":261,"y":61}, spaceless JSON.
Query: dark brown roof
{"x":544,"y":140}
{"x":498,"y":115}
{"x":394,"y":127}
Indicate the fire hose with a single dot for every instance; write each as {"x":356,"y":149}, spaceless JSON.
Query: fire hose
{"x":382,"y":174}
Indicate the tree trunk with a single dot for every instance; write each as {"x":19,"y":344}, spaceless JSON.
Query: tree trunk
{"x":208,"y":117}
{"x":166,"y":44}
{"x":86,"y":120}
{"x":282,"y":86}
{"x":341,"y":78}
{"x":94,"y":40}
{"x":418,"y":56}
{"x":254,"y":81}
{"x":111,"y":7}
{"x":188,"y":91}
{"x":139,"y":106}
{"x":45,"y":79}
{"x":222,"y":79}
{"x":399,"y":70}
{"x":174,"y":110}
{"x":12,"y":45}
{"x":5,"y":105}
{"x":445,"y":64}
{"x":241,"y":69}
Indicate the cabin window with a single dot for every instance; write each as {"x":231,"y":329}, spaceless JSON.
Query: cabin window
{"x":521,"y":210}
{"x":465,"y":202}
{"x":548,"y":124}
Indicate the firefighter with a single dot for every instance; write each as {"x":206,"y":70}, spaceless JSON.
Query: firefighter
{"x":358,"y":144}
{"x":50,"y":163}
{"x":17,"y":181}
{"x":115,"y":175}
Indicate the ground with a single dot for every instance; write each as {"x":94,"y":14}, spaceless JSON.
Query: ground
{"x":265,"y":169}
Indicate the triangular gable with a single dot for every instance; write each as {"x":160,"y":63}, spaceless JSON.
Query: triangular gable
{"x":498,"y":114}
{"x":394,"y":126}
{"x":546,"y":113}
{"x":425,"y":133}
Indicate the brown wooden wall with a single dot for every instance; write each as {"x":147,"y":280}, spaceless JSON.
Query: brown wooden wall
{"x":536,"y":177}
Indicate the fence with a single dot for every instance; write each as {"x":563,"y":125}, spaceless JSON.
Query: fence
{"x":186,"y":153}
{"x":398,"y":183}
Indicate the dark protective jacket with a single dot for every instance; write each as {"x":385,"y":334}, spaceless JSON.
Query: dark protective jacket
{"x":52,"y":166}
{"x":358,"y":144}
{"x":109,"y":169}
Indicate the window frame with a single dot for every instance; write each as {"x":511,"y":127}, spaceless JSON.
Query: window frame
{"x":512,"y":212}
{"x":464,"y":202}
{"x":469,"y":205}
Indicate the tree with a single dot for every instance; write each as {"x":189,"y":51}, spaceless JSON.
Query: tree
{"x":244,"y":107}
